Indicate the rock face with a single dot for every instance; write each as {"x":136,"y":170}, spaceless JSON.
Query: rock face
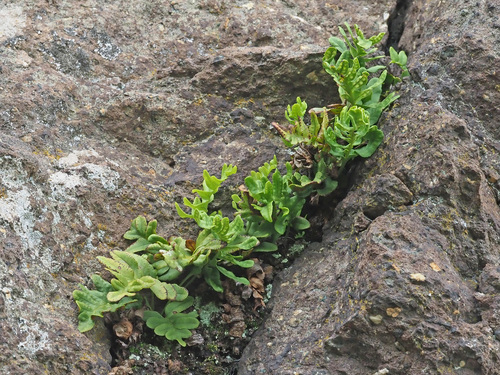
{"x":112,"y":109}
{"x":406,"y":278}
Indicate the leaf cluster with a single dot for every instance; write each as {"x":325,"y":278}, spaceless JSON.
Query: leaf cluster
{"x":133,"y":274}
{"x":152,"y":263}
{"x":338,"y":133}
{"x":348,"y":60}
{"x":268,"y":206}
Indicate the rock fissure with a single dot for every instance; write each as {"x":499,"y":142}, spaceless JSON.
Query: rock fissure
{"x":396,"y":24}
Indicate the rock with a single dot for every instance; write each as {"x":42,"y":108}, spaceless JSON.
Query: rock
{"x":113,"y":109}
{"x":441,"y":149}
{"x":110,"y":110}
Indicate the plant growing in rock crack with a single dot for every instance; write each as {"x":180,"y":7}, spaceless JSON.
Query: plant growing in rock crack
{"x":268,"y":206}
{"x":340,"y":132}
{"x":266,"y":209}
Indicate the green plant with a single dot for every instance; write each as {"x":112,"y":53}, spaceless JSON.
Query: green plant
{"x":93,"y":303}
{"x":340,"y":132}
{"x":133,"y":274}
{"x":218,"y":245}
{"x":347,"y":62}
{"x":268,"y":206}
{"x":173,"y":324}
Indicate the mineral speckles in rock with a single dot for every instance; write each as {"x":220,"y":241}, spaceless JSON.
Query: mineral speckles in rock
{"x":106,"y":48}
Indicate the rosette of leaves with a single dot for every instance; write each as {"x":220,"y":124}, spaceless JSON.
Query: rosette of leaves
{"x":215,"y":256}
{"x":333,"y":144}
{"x":221,"y":241}
{"x":269,"y":206}
{"x":336,"y":134}
{"x":93,"y":303}
{"x":321,"y":181}
{"x":216,"y":226}
{"x":298,"y":133}
{"x":132,"y":273}
{"x":352,"y":135}
{"x":204,"y":257}
{"x":168,"y":256}
{"x":319,"y":168}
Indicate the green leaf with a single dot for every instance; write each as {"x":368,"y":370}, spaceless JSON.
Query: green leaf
{"x":138,"y":229}
{"x":295,"y":112}
{"x":174,"y":325}
{"x":154,"y":238}
{"x":178,"y":306}
{"x":140,"y":245}
{"x":243,"y":242}
{"x":266,"y":211}
{"x":231,"y":275}
{"x":212,"y":276}
{"x":211,"y":185}
{"x":373,"y":138}
{"x":266,"y":247}
{"x":338,"y":44}
{"x":133,"y":273}
{"x":94,"y":302}
{"x":377,"y":38}
{"x":175,"y":292}
{"x":329,"y":185}
{"x":394,"y":55}
{"x":181,"y":212}
{"x":299,"y":223}
{"x":375,"y":68}
{"x":242,"y":263}
{"x":259,"y":228}
{"x":254,"y":185}
{"x":170,"y":275}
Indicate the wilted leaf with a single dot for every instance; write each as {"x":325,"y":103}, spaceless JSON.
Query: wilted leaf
{"x":123,"y":329}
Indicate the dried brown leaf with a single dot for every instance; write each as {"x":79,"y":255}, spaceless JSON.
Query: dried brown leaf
{"x":237,"y":329}
{"x":257,"y":284}
{"x":123,"y":329}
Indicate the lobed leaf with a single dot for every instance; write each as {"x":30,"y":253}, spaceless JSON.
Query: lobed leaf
{"x":174,"y":325}
{"x":95,"y":302}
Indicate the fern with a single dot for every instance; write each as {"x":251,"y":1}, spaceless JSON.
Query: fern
{"x":174,"y":324}
{"x":132,"y":274}
{"x":95,"y":302}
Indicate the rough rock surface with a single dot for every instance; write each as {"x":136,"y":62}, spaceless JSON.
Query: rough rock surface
{"x":110,"y":109}
{"x":406,"y":278}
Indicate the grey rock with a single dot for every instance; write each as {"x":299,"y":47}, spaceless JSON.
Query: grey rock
{"x":113,"y":109}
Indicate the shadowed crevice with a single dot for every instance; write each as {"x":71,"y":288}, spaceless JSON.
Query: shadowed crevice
{"x":396,"y":24}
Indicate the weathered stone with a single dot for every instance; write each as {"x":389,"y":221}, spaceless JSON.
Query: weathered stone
{"x":113,"y":109}
{"x":441,"y":147}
